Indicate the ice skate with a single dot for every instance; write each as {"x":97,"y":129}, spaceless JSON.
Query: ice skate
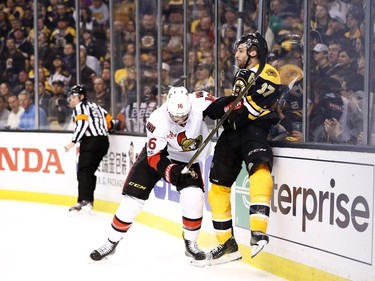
{"x":192,"y":250}
{"x":257,"y":242}
{"x":84,"y":206}
{"x":109,"y":248}
{"x":224,"y":253}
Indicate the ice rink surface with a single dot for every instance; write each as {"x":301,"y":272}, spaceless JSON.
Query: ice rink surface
{"x":42,"y":242}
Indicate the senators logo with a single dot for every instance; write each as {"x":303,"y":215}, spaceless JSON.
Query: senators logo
{"x":150,"y":127}
{"x":189,"y":144}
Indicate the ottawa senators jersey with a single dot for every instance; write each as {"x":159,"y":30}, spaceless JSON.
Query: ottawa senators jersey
{"x":165,"y":138}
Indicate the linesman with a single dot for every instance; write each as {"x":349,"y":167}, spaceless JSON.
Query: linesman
{"x":92,"y":126}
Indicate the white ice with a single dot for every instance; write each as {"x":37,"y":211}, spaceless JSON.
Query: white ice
{"x":42,"y":242}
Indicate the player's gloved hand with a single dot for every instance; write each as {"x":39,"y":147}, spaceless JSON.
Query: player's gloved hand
{"x":116,"y":125}
{"x":238,"y":106}
{"x":173,"y":175}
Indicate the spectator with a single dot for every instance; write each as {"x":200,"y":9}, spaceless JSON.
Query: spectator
{"x":14,"y":10}
{"x":59,"y":72}
{"x":320,"y":53}
{"x":61,"y":35}
{"x":148,"y":34}
{"x":129,"y":34}
{"x":46,"y":52}
{"x":42,"y":28}
{"x":4,"y":113}
{"x":226,"y":67}
{"x":204,"y":46}
{"x":29,"y":87}
{"x":58,"y":110}
{"x":354,"y":21}
{"x":347,"y":60}
{"x":27,"y":119}
{"x":93,"y":47}
{"x":230,"y":20}
{"x":101,"y":96}
{"x":63,"y":11}
{"x":336,"y":27}
{"x":44,"y":79}
{"x":22,"y":43}
{"x":106,"y":76}
{"x":128,"y":101}
{"x":87,"y":73}
{"x":327,"y":107}
{"x":15,"y":113}
{"x":19,"y":85}
{"x":12,"y":62}
{"x":230,"y":35}
{"x":165,"y":75}
{"x":349,"y":129}
{"x":100,"y":11}
{"x":44,"y":96}
{"x":192,"y":62}
{"x":205,"y":82}
{"x":359,"y":47}
{"x":321,"y":18}
{"x":16,"y":24}
{"x":5,"y":26}
{"x":5,"y":91}
{"x":92,"y":62}
{"x":121,"y":74}
{"x":334,"y":47}
{"x":87,"y":21}
{"x":70,"y":61}
{"x":32,"y":67}
{"x":28,"y":18}
{"x":204,"y":29}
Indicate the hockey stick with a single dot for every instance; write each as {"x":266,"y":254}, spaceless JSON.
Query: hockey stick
{"x":262,"y":63}
{"x":178,"y":81}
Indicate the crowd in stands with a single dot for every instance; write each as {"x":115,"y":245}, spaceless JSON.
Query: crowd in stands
{"x":336,"y":73}
{"x":335,"y":112}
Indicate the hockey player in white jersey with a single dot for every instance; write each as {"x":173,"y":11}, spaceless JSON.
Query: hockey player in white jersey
{"x":174,"y":132}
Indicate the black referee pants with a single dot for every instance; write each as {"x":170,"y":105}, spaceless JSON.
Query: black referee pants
{"x":91,"y":152}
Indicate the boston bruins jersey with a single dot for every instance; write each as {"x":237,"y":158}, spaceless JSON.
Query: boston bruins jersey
{"x":260,"y":101}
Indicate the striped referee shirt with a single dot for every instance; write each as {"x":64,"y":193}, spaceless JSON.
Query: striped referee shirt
{"x":90,"y":120}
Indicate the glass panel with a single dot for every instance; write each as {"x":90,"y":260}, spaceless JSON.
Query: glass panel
{"x":124,"y":61}
{"x":173,"y":45}
{"x":201,"y":46}
{"x":57,"y":62}
{"x":284,"y":35}
{"x":336,"y":73}
{"x":371,"y":60}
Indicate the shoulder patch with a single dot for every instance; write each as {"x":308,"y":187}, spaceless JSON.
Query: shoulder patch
{"x":271,"y":72}
{"x":150,"y":127}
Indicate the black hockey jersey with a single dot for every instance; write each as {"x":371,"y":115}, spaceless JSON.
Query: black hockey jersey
{"x":258,"y":104}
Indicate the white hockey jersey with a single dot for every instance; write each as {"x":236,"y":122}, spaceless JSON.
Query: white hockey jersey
{"x":181,"y":141}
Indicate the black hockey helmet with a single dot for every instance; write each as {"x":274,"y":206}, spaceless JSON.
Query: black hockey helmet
{"x":251,"y":39}
{"x":78,"y":90}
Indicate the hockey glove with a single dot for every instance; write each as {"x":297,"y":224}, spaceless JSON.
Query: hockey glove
{"x":116,"y":125}
{"x":173,"y":175}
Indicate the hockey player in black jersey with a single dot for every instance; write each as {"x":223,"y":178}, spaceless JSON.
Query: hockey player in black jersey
{"x":244,"y":139}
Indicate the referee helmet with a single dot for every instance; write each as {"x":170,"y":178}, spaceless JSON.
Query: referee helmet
{"x":78,"y":90}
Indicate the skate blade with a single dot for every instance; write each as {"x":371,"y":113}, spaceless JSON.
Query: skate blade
{"x":257,"y":248}
{"x":198,"y":263}
{"x":225,"y":259}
